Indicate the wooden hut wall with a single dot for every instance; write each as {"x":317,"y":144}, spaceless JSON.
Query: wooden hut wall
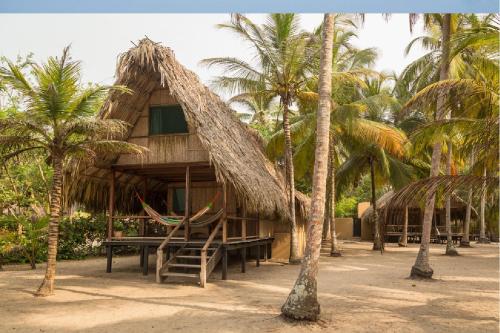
{"x":170,"y":148}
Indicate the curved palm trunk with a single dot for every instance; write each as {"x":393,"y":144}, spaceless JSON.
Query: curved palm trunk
{"x":422,"y":268}
{"x":403,"y":241}
{"x":377,"y":242}
{"x":450,"y":249}
{"x":47,"y":286}
{"x":302,"y":302}
{"x":294,"y":240}
{"x":465,"y":242}
{"x":482,"y":228}
{"x":334,"y":251}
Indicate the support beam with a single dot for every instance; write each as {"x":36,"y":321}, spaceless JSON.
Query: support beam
{"x":224,"y":213}
{"x":111,"y":204}
{"x":187,"y":203}
{"x":244,"y":221}
{"x":142,"y":229}
{"x":243,"y":259}
{"x":257,"y":263}
{"x":145,"y":267}
{"x":224,"y":263}
{"x":109,"y":252}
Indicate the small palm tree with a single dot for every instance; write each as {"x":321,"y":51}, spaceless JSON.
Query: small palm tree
{"x":58,"y":118}
{"x":386,"y":163}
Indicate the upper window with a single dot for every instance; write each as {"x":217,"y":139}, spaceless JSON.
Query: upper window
{"x":167,"y":119}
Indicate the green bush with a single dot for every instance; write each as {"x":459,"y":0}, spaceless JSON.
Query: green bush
{"x":81,"y":236}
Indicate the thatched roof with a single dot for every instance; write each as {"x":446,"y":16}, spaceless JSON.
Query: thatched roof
{"x":235,"y":153}
{"x":456,"y":203}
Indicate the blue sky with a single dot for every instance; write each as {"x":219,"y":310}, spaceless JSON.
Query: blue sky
{"x":248,"y":6}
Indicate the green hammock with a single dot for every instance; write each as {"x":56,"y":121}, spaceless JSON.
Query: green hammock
{"x":169,"y":221}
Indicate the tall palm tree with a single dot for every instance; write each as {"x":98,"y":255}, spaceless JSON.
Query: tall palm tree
{"x":421,"y":268}
{"x":302,"y":302}
{"x":57,"y":118}
{"x":284,"y":57}
{"x":470,"y":91}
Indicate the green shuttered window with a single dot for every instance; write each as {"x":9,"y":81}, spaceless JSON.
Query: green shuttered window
{"x":167,"y":119}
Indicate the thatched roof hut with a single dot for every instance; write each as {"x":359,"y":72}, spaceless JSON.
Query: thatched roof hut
{"x":456,"y":203}
{"x":234,"y":153}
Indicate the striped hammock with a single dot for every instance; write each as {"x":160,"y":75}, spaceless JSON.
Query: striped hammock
{"x":170,"y":221}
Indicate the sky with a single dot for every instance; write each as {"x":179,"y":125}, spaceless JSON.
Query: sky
{"x":97,"y":39}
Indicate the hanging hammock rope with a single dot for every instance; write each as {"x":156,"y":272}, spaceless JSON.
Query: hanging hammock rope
{"x":169,"y":221}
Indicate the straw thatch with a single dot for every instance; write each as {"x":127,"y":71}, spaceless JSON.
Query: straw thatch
{"x":384,"y":202}
{"x":235,"y":153}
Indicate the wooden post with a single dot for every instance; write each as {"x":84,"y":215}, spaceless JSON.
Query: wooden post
{"x":145,"y":267}
{"x":257,"y":226}
{"x":243,"y":259}
{"x":224,"y":213}
{"x":258,"y":256}
{"x":224,"y":263}
{"x":244,"y":222}
{"x":109,"y":252}
{"x":111,"y":204}
{"x":142,"y":229}
{"x":187,"y":203}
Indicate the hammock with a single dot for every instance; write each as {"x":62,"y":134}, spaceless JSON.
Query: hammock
{"x":169,"y":221}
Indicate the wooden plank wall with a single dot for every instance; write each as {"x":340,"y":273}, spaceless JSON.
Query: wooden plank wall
{"x":171,"y":148}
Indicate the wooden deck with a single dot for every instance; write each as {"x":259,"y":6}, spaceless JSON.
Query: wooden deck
{"x":177,"y":247}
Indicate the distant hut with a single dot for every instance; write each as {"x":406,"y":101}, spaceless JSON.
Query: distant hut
{"x":198,"y":153}
{"x":393,"y":219}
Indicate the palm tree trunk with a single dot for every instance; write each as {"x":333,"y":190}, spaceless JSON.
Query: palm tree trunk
{"x":47,"y":286}
{"x":450,"y":249}
{"x":465,"y":242}
{"x":294,"y":240}
{"x":377,"y":243}
{"x":482,"y":229}
{"x":302,"y":302}
{"x":328,"y":202}
{"x":422,"y":268}
{"x":334,"y":251}
{"x":403,"y":241}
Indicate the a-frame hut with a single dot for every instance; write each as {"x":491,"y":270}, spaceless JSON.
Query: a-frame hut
{"x":200,"y":159}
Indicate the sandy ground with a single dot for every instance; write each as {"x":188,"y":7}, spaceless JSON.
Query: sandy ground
{"x":363,"y":291}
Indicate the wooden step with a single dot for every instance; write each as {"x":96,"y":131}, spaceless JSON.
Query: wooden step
{"x":188,"y":275}
{"x":184,"y":265}
{"x":189,"y":257}
{"x":198,"y":248}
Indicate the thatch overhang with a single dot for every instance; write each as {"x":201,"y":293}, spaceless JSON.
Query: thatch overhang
{"x":235,"y":154}
{"x":384,"y":200}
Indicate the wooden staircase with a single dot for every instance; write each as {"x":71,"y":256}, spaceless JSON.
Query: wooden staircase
{"x":192,"y":260}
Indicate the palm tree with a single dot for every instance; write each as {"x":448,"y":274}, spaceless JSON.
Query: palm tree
{"x":421,"y":268}
{"x":472,"y":93}
{"x":58,"y":119}
{"x":284,"y":57}
{"x":302,"y":302}
{"x":386,"y":162}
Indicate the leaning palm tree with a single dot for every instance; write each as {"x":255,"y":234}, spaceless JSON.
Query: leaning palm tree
{"x":57,"y":118}
{"x":302,"y":302}
{"x":284,"y":57}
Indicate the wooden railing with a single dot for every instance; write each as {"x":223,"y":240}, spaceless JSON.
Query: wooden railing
{"x":207,"y":267}
{"x":244,"y":230}
{"x":163,"y":245}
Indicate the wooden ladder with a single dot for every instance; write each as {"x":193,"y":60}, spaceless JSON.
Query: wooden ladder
{"x":193,"y":260}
